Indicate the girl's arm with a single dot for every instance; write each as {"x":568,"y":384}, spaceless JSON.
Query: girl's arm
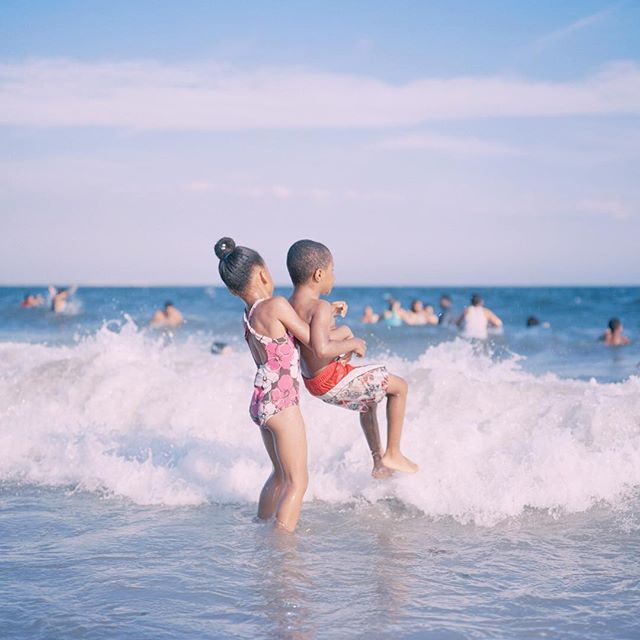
{"x":321,"y":342}
{"x":291,"y":320}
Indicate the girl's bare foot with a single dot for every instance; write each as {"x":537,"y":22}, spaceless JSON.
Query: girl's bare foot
{"x":398,"y":462}
{"x":380,"y":472}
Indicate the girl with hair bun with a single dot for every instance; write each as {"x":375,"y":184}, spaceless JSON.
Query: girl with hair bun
{"x":271,"y":325}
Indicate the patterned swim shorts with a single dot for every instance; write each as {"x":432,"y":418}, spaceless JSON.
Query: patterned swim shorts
{"x":356,"y":388}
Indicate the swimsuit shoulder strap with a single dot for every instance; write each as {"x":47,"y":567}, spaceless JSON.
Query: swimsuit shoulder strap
{"x":247,"y":323}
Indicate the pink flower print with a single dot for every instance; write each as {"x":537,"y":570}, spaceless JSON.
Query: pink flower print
{"x":278,"y":355}
{"x":285,"y":392}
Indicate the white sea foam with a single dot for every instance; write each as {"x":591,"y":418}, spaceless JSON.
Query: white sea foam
{"x":127,"y":414}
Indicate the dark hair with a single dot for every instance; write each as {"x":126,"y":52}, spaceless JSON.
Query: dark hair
{"x":304,"y":257}
{"x":476,"y":300}
{"x":236,"y":264}
{"x":415,"y":302}
{"x":445,"y":296}
{"x":168,"y":303}
{"x":614,"y":324}
{"x":532,"y":321}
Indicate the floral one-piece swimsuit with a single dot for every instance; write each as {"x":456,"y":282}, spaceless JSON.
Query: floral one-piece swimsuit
{"x":276,"y":384}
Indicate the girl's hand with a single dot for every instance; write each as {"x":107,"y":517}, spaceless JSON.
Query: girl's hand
{"x":339,"y":308}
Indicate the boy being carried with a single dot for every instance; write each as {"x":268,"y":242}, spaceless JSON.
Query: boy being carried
{"x":334,"y":380}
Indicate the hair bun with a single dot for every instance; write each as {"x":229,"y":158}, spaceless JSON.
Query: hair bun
{"x":224,"y":247}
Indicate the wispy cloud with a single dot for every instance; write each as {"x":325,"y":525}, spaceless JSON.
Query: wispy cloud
{"x":606,"y":207}
{"x":448,"y":145}
{"x":150,"y":96}
{"x":276,"y":191}
{"x":578,"y":25}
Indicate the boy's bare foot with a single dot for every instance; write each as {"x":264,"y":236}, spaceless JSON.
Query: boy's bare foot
{"x":398,"y":462}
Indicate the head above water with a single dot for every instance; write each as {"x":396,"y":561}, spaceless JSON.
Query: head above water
{"x":445,"y":301}
{"x":532,"y":321}
{"x":476,"y":300}
{"x":305,"y":258}
{"x":615,"y":324}
{"x":237,"y":264}
{"x":417,"y":306}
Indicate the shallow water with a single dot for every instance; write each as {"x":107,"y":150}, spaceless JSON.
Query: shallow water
{"x":129,"y":471}
{"x":74,"y":565}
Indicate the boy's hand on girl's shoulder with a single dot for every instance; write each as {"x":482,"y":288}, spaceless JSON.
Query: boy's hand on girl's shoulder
{"x":339,"y":308}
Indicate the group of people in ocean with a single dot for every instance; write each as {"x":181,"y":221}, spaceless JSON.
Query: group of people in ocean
{"x":58,"y":299}
{"x":168,"y":317}
{"x":474,"y":320}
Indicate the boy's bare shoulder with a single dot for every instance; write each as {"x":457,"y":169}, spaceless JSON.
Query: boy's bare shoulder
{"x":319,"y":307}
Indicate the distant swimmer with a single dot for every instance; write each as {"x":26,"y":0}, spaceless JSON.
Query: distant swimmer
{"x":169,"y":316}
{"x":415,"y":315}
{"x":613,"y":337}
{"x":476,"y":318}
{"x":446,"y":315}
{"x":534,"y":321}
{"x":221,"y":349}
{"x":429,"y":314}
{"x":60,"y":298}
{"x":394,"y":315}
{"x":369,"y":316}
{"x":31,"y":300}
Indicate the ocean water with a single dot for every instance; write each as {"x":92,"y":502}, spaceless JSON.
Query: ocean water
{"x":129,"y":473}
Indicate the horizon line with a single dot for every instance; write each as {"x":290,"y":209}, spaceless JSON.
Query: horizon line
{"x":137,"y":285}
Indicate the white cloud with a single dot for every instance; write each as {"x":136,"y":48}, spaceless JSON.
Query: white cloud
{"x":151,"y":96}
{"x":449,"y":145}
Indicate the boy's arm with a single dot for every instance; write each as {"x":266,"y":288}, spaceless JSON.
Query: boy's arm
{"x":341,"y":333}
{"x":321,"y":342}
{"x":291,"y":320}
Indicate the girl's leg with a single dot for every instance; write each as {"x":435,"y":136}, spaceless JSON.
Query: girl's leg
{"x":270,"y":494}
{"x":396,"y":403}
{"x":290,"y":443}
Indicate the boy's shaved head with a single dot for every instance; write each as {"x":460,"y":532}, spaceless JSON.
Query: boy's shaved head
{"x":304,"y":257}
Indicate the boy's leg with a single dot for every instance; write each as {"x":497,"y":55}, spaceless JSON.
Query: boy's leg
{"x":369,"y":424}
{"x":396,"y":404}
{"x":290,"y":443}
{"x":270,"y":494}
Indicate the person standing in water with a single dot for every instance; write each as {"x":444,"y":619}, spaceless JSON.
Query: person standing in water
{"x":369,"y":316}
{"x":60,"y":297}
{"x":613,"y":336}
{"x":31,"y":300}
{"x":169,"y":316}
{"x":394,"y":315}
{"x":476,"y":318}
{"x":446,"y":317}
{"x":270,"y":326}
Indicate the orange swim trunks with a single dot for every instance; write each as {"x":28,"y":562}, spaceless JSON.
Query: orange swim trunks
{"x":354,"y":388}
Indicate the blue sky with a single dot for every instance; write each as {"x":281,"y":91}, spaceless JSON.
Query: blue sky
{"x":424,"y":142}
